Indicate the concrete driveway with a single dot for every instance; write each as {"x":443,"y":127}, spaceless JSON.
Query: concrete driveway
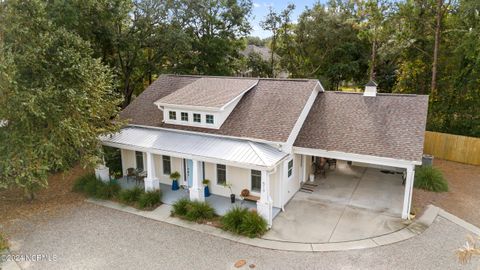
{"x":94,"y":237}
{"x":351,"y":203}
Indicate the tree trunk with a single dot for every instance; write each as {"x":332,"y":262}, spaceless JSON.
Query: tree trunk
{"x":373,"y":59}
{"x":274,"y":41}
{"x":436,"y":48}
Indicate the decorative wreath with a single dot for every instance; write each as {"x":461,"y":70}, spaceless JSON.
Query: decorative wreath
{"x":245,"y":193}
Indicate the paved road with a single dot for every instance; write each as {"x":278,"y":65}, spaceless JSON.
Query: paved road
{"x":93,"y":237}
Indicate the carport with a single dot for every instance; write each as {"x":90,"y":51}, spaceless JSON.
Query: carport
{"x":376,"y":130}
{"x":408,"y":167}
{"x":350,"y":202}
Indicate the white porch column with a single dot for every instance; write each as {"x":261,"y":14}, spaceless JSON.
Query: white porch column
{"x":407,"y":199}
{"x":304,"y":169}
{"x":151,"y":181}
{"x":102,"y":172}
{"x":265,"y":204}
{"x":197,"y":189}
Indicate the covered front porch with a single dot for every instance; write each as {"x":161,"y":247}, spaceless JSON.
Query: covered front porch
{"x":231,"y":166}
{"x":221,"y":204}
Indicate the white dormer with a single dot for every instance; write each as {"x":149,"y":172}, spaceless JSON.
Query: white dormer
{"x":207,"y":102}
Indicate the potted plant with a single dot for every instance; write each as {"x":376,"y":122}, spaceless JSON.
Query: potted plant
{"x":205,"y":183}
{"x":174,"y":176}
{"x":232,"y":196}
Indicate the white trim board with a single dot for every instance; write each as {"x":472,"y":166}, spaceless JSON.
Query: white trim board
{"x":391,"y":162}
{"x":302,"y":117}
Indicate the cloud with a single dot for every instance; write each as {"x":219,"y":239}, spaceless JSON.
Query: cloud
{"x":256,"y":5}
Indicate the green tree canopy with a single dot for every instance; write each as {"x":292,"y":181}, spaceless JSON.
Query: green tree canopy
{"x":55,"y":97}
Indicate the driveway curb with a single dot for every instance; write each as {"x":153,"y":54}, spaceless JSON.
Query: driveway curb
{"x":417,"y":227}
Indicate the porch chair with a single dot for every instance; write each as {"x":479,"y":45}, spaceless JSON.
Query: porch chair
{"x":130,"y":173}
{"x":332,"y":163}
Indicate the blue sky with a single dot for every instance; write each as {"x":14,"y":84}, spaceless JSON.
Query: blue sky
{"x":260,"y":9}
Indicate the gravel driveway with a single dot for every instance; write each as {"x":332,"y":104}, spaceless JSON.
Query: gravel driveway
{"x":93,"y":237}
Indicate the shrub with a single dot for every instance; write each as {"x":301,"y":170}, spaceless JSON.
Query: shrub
{"x":193,"y":211}
{"x":149,"y":199}
{"x":82,"y":181}
{"x":232,"y":220}
{"x":199,"y":211}
{"x":179,"y":208}
{"x":431,"y":179}
{"x":3,"y":243}
{"x":107,"y":191}
{"x":253,"y":225}
{"x":130,"y":196}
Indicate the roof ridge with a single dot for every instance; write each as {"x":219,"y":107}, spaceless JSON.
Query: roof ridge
{"x":246,"y":78}
{"x":254,"y":148}
{"x":378,"y":94}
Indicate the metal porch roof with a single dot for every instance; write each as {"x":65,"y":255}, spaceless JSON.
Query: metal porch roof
{"x":190,"y":144}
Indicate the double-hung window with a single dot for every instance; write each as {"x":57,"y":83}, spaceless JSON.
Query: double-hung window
{"x":167,"y":165}
{"x":139,"y":160}
{"x":256,"y":178}
{"x":172,"y":115}
{"x":221,"y":174}
{"x":290,"y":168}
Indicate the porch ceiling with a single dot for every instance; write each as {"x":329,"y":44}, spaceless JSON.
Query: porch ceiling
{"x":202,"y":147}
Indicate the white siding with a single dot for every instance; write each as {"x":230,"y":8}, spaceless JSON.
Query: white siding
{"x":291,"y":184}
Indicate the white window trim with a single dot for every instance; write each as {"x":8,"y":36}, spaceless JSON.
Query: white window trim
{"x":213,"y":118}
{"x":255,"y":192}
{"x":293,"y":165}
{"x":193,"y":118}
{"x":216,"y":175}
{"x":163,"y":169}
{"x":175,"y":112}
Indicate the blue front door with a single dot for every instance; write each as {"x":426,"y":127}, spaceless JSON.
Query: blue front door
{"x":188,"y":171}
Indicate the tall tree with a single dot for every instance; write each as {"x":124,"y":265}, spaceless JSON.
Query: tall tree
{"x":56,"y":99}
{"x":272,"y":23}
{"x":215,"y":29}
{"x":372,"y":16}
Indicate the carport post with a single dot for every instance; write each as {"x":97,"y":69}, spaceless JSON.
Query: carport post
{"x":407,"y":199}
{"x":265,"y":204}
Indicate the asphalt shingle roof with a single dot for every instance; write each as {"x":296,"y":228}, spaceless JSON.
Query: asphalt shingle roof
{"x":209,"y":92}
{"x":388,"y":125}
{"x":268,"y":111}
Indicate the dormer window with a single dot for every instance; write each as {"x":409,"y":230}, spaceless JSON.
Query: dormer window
{"x":209,"y":118}
{"x":197,"y":118}
{"x":172,"y":115}
{"x":204,"y":102}
{"x":184,"y":116}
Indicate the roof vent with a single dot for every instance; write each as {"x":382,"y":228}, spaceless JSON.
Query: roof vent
{"x":370,"y":89}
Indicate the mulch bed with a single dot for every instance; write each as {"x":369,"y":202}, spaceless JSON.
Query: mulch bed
{"x":463,"y":197}
{"x":52,"y":201}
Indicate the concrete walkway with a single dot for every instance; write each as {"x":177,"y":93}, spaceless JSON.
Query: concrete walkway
{"x":162,"y":213}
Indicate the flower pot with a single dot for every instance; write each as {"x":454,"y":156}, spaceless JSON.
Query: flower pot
{"x":175,"y":184}
{"x":207,"y":191}
{"x":232,"y":198}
